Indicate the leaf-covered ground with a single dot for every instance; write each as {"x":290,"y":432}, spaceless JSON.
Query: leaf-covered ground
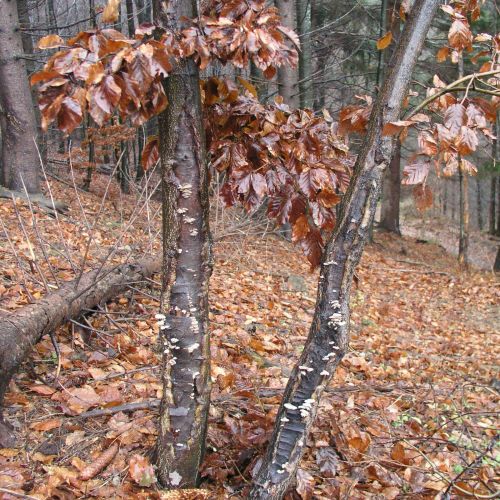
{"x":411,"y":412}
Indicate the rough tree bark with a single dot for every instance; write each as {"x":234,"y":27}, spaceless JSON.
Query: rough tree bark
{"x":288,"y":77}
{"x":21,"y":330}
{"x":19,"y":159}
{"x":329,"y":333}
{"x":186,"y":268}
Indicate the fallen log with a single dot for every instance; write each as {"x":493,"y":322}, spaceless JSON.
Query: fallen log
{"x":22,"y":329}
{"x":36,"y":198}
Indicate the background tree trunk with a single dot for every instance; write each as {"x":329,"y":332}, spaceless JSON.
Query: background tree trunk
{"x":20,"y":160}
{"x":463,"y":179}
{"x":288,"y":77}
{"x":493,"y":180}
{"x":186,"y":269}
{"x":143,"y":9}
{"x":389,"y":217}
{"x":305,"y":55}
{"x":329,"y":333}
{"x":391,"y":188}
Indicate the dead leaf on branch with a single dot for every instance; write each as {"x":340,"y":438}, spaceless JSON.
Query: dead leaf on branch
{"x":50,"y":42}
{"x":111,"y":12}
{"x":385,"y":41}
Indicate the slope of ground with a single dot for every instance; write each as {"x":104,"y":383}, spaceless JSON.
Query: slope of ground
{"x":410,"y":413}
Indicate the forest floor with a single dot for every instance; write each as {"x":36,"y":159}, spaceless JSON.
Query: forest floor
{"x":411,"y":412}
{"x":440,"y":231}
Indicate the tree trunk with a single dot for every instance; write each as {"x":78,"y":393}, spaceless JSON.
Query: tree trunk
{"x":319,"y":55}
{"x":305,"y":56}
{"x":389,"y":219}
{"x":24,"y":23}
{"x":463,"y":179}
{"x":463,"y":241}
{"x":391,"y":189}
{"x":498,"y":206}
{"x":493,"y":182}
{"x":496,"y":265}
{"x":20,"y":160}
{"x":329,"y":333}
{"x":186,"y":269}
{"x":22,"y":329}
{"x":479,"y":205}
{"x":130,"y":18}
{"x":288,"y":77}
{"x":52,"y":16}
{"x":143,"y":9}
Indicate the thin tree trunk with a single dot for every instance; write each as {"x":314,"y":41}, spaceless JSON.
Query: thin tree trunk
{"x":463,"y":243}
{"x":391,"y":188}
{"x":24,"y":23}
{"x":140,"y":147}
{"x":130,"y":18}
{"x":186,"y":269}
{"x":479,"y":204}
{"x":305,"y":56}
{"x":389,"y":219}
{"x":498,"y":206}
{"x":91,"y":158}
{"x":493,"y":181}
{"x":463,"y":179}
{"x":493,"y":195}
{"x":22,"y":329}
{"x":140,"y":131}
{"x":143,"y":9}
{"x":52,"y":16}
{"x":287,"y":76}
{"x":329,"y":334}
{"x":445,"y":197}
{"x":20,"y":160}
{"x":318,"y":57}
{"x":496,"y":264}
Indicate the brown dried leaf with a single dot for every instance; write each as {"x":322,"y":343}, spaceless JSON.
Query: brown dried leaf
{"x":416,"y":173}
{"x":143,"y":474}
{"x":46,"y":425}
{"x":385,"y":41}
{"x":100,"y":463}
{"x":460,"y":35}
{"x":423,"y":196}
{"x":111,"y":12}
{"x":50,"y":42}
{"x":305,"y":484}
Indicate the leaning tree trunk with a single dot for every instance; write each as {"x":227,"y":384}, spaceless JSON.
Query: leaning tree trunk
{"x":19,"y":159}
{"x":288,"y":77}
{"x":22,"y":329}
{"x":186,"y":269}
{"x":329,"y":333}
